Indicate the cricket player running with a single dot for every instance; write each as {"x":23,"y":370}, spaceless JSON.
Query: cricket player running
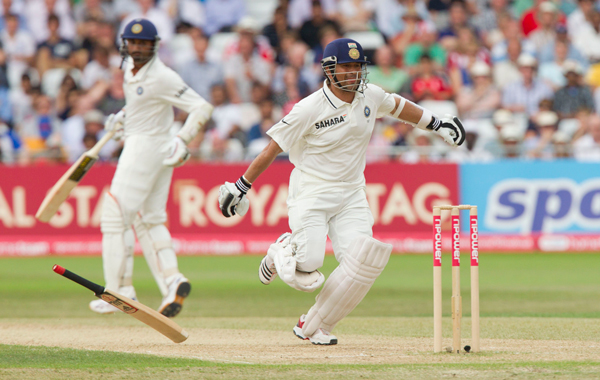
{"x":140,"y":186}
{"x":326,"y":135}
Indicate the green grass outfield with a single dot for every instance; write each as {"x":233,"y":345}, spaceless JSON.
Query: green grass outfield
{"x":544,"y":298}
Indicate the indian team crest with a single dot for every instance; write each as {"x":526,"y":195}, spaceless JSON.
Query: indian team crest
{"x":137,"y":28}
{"x":140,"y":90}
{"x":354,"y":53}
{"x":367,"y":111}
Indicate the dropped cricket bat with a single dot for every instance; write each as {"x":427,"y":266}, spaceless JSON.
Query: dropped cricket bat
{"x":136,"y":309}
{"x":61,"y":190}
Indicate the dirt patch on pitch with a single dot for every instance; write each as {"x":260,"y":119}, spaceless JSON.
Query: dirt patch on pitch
{"x":282,"y":347}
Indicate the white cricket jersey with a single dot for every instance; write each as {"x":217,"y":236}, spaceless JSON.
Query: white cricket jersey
{"x":327,"y":137}
{"x":150,"y":96}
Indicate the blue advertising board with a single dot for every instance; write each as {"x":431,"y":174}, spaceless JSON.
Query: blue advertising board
{"x":533,"y":196}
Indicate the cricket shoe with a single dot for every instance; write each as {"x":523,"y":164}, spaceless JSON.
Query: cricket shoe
{"x":179,"y":289}
{"x":266,"y":270}
{"x":320,"y":337}
{"x":103,"y":307}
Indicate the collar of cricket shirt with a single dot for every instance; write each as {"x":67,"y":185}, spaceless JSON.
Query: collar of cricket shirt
{"x":336,"y":102}
{"x":141,"y":74}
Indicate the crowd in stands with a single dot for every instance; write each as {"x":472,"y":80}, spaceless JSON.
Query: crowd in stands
{"x":523,"y":75}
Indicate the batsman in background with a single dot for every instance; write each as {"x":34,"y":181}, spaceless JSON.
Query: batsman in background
{"x":326,"y":135}
{"x":140,"y":186}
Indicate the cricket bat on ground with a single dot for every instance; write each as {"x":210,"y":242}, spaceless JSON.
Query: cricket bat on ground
{"x":61,"y":190}
{"x":136,"y":309}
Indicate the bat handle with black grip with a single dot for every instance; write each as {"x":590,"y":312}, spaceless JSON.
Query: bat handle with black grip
{"x":97,"y":289}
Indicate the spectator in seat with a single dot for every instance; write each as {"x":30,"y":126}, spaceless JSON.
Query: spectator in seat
{"x":507,"y":71}
{"x":98,"y":69}
{"x":427,"y":85}
{"x":56,"y":51}
{"x":510,"y":137}
{"x":524,"y":95}
{"x":309,"y":32}
{"x":541,"y":146}
{"x":212,"y":72}
{"x":356,"y":15}
{"x":384,"y":74}
{"x":19,"y":47}
{"x":470,"y":151}
{"x":223,"y":15}
{"x":421,"y":148}
{"x":530,"y":19}
{"x":244,"y":68}
{"x":552,"y":72}
{"x":579,"y":18}
{"x":277,"y":30}
{"x":574,"y":95}
{"x":545,"y":33}
{"x":480,"y":100}
{"x":426,"y":44}
{"x":40,"y":129}
{"x":587,"y":148}
{"x":561,"y":145}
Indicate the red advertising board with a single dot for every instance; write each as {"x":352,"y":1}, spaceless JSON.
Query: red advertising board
{"x":400,"y":196}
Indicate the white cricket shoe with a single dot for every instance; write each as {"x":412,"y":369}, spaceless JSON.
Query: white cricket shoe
{"x":179,"y":289}
{"x":320,"y":336}
{"x":103,"y":307}
{"x":266,"y":270}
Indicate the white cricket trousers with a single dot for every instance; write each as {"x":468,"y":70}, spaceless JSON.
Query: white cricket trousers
{"x":141,"y":181}
{"x":319,"y":208}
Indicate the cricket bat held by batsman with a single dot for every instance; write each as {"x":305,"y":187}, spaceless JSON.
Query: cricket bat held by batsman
{"x":61,"y":190}
{"x":136,"y":309}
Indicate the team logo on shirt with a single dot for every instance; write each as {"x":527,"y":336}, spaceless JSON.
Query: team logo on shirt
{"x":140,"y":90}
{"x":137,"y":28}
{"x":354,"y":54}
{"x":330,"y":122}
{"x":367,"y":111}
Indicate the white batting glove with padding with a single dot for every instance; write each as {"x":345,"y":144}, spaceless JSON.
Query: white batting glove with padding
{"x":116,"y":123}
{"x":450,"y":128}
{"x":177,"y":153}
{"x":232,"y":197}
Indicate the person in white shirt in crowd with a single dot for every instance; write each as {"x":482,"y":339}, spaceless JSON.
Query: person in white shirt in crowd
{"x":98,"y":69}
{"x":483,"y":98}
{"x":219,"y":140}
{"x":511,"y":139}
{"x":37,"y":12}
{"x":245,"y":67}
{"x":148,"y":10}
{"x":223,"y":14}
{"x":587,"y":39}
{"x":511,"y":32}
{"x":507,"y":70}
{"x":524,"y":96}
{"x":98,"y":9}
{"x":140,"y":186}
{"x":19,"y":47}
{"x":326,"y":135}
{"x":185,"y":11}
{"x":541,"y":146}
{"x":579,"y":18}
{"x":421,"y":148}
{"x":552,"y":72}
{"x":545,"y":34}
{"x":587,"y":147}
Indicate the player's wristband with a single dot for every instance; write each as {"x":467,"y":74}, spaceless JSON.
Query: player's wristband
{"x":434,"y":124}
{"x":243,"y":185}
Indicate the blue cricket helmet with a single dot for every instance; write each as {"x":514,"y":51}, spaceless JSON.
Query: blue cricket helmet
{"x":345,"y":50}
{"x":140,"y":29}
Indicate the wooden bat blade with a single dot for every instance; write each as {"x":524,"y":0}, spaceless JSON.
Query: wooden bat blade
{"x":136,"y":309}
{"x":146,"y":315}
{"x":62,"y":188}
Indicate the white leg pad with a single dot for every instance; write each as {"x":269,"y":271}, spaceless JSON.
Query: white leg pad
{"x":150,"y":250}
{"x":114,"y":248}
{"x":285,"y":264}
{"x":348,"y":284}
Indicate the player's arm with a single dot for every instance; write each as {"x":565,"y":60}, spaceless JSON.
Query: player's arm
{"x":448,"y":127}
{"x":180,"y":95}
{"x":232,"y":196}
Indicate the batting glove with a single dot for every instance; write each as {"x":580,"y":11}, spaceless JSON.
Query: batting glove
{"x":177,"y":153}
{"x":450,"y":128}
{"x":232,"y":197}
{"x":116,"y":123}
